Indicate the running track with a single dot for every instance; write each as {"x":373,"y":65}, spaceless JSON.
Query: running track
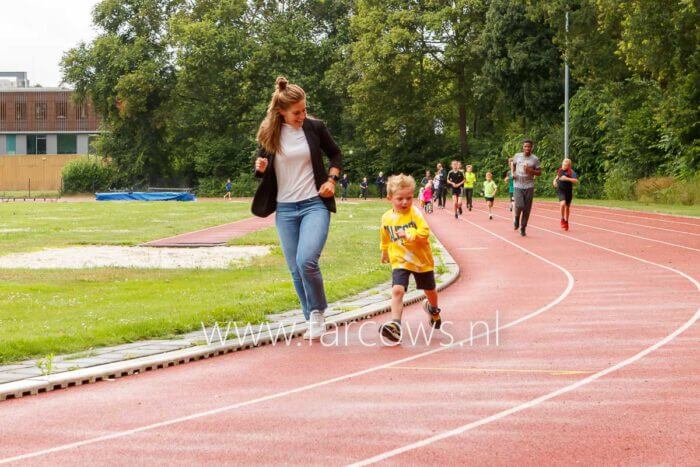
{"x":597,"y":362}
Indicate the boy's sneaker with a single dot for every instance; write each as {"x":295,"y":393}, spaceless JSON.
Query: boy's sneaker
{"x":434,"y":313}
{"x":522,"y":232}
{"x":317,"y":326}
{"x":510,"y":208}
{"x":456,"y":215}
{"x":566,"y":225}
{"x":460,"y":210}
{"x":490,"y":217}
{"x":562,"y":224}
{"x":391,"y":331}
{"x":516,"y":224}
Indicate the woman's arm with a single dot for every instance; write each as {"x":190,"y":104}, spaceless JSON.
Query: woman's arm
{"x":332,"y":151}
{"x":261,"y":162}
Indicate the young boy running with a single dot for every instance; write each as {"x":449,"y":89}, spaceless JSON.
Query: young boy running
{"x":228,"y":189}
{"x":456,"y":179}
{"x":405,"y":244}
{"x":490,"y":189}
{"x":509,"y":179}
{"x":564,"y":183}
{"x":469,"y":181}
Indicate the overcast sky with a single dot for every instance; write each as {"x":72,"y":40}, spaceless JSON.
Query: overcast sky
{"x":35,"y":33}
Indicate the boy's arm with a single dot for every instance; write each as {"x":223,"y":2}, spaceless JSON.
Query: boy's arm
{"x":420,"y":233}
{"x":384,"y":243}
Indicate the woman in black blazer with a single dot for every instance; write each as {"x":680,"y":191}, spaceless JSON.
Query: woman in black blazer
{"x":297,"y":188}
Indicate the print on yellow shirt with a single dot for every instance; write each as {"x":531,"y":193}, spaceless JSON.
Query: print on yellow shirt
{"x":413,"y":251}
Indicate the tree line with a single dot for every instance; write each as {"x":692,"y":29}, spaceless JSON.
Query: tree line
{"x":183,"y":84}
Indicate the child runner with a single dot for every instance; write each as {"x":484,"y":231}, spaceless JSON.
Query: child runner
{"x":405,"y":244}
{"x":363,"y":188}
{"x":469,"y":181}
{"x":564,"y":183}
{"x":509,"y":178}
{"x":428,"y":197}
{"x":490,"y":189}
{"x":456,"y":179}
{"x":344,"y":183}
{"x":228,"y":189}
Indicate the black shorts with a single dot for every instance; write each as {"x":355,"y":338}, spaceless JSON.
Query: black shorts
{"x":424,"y":280}
{"x":565,"y":195}
{"x":457,"y":191}
{"x":488,"y":199}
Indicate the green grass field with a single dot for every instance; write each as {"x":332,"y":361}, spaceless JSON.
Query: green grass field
{"x":61,"y":311}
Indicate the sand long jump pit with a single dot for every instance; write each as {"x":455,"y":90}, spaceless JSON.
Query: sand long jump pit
{"x":135,"y":257}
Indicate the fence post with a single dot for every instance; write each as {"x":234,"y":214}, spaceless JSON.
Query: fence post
{"x":29,"y":188}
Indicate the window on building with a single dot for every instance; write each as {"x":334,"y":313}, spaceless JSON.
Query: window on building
{"x":21,"y":111}
{"x":67,"y":144}
{"x":36,"y":144}
{"x":62,"y":110}
{"x":92,"y":145}
{"x":3,"y":111}
{"x":41,"y":110}
{"x":11,"y":144}
{"x":81,"y":111}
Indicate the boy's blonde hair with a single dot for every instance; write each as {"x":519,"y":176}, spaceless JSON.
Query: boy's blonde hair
{"x":400,"y":182}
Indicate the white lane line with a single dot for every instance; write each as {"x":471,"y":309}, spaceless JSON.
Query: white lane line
{"x":558,"y":392}
{"x":278,"y":395}
{"x":577,"y":213}
{"x":623,"y":233}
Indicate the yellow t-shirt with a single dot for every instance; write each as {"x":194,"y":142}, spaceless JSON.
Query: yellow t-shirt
{"x":412,"y":252}
{"x":469,"y":179}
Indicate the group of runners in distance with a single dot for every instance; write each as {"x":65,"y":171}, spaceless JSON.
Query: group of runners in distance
{"x":523,"y":167}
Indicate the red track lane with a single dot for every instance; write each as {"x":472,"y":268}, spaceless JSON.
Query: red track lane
{"x":659,"y":246}
{"x":616,"y":222}
{"x":302,"y":404}
{"x":659,"y":219}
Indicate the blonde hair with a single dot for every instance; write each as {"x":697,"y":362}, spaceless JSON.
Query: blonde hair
{"x":400,"y":182}
{"x":285,"y":96}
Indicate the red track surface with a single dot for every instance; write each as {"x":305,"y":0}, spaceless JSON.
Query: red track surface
{"x":597,"y":362}
{"x":217,"y":235}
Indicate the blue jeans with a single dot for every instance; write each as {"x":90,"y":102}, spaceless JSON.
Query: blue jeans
{"x":303,"y":229}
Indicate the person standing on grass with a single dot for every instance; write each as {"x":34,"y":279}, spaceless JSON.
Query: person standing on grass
{"x":363,"y":188}
{"x":381,"y":185}
{"x":469,"y":181}
{"x":564,"y":183}
{"x":490,"y":189}
{"x":508,"y":178}
{"x":228,"y":189}
{"x":525,"y":167}
{"x":296,"y":186}
{"x":344,"y":183}
{"x":405,"y":243}
{"x":456,"y":179}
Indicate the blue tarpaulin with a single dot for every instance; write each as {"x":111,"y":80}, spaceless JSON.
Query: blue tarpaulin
{"x":144,"y":196}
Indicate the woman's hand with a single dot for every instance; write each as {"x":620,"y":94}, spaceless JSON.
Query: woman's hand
{"x":261,"y":164}
{"x":327,"y":190}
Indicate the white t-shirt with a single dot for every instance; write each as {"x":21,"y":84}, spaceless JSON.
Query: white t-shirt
{"x":295,"y":175}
